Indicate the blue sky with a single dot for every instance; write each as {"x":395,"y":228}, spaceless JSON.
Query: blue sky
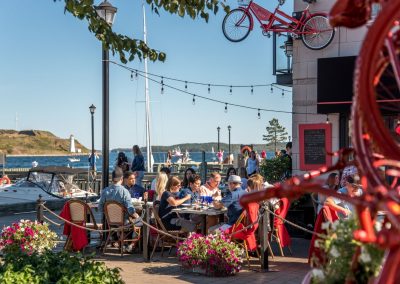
{"x":51,"y":73}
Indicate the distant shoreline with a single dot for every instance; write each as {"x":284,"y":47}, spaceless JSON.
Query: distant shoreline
{"x":50,"y":155}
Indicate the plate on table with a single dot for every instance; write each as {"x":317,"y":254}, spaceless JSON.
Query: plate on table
{"x":186,"y":205}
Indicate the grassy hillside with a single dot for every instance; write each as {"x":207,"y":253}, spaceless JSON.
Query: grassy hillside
{"x":34,"y":142}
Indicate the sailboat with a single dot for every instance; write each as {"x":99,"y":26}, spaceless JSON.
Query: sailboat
{"x":212,"y":149}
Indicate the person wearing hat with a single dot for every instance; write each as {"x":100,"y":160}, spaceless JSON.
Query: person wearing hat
{"x":345,"y":209}
{"x":116,"y":192}
{"x":231,"y":202}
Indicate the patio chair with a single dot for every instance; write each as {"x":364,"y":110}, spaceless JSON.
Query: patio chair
{"x":326,"y":214}
{"x":164,"y":239}
{"x":115,"y":215}
{"x":280,"y":233}
{"x":78,"y":212}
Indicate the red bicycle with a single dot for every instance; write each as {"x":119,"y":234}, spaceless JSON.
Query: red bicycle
{"x":314,"y":29}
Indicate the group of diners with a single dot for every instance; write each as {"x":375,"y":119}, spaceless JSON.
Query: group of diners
{"x":171,"y":192}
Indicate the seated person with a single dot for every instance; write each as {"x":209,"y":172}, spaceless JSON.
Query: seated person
{"x":164,"y":170}
{"x":188,"y":173}
{"x":135,"y":190}
{"x":210,"y":188}
{"x":230,"y":201}
{"x":169,"y":200}
{"x":345,"y":209}
{"x":193,"y":190}
{"x":116,"y":192}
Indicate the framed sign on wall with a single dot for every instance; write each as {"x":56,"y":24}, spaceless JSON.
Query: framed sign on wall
{"x":315,"y":143}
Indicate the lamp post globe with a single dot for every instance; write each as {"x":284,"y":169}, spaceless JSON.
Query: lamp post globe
{"x":106,"y":12}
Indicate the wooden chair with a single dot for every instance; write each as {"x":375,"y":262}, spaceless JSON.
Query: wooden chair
{"x":280,"y":233}
{"x":115,"y":214}
{"x":164,"y":239}
{"x":80,"y":214}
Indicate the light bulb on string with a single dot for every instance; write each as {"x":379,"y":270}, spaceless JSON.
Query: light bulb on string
{"x":327,"y":119}
{"x":185,"y":85}
{"x":272,"y":89}
{"x":252,"y":91}
{"x":136,"y":74}
{"x":162,"y":85}
{"x":194,"y":100}
{"x":226,"y":107}
{"x":283,"y":94}
{"x":259,"y":115}
{"x":131,"y":75}
{"x":230,"y":90}
{"x":209,"y":88}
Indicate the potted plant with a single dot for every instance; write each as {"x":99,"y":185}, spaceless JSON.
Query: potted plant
{"x":340,"y":248}
{"x":213,"y":255}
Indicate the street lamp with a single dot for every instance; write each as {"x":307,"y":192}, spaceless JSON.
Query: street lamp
{"x":107,"y":12}
{"x":229,"y":143}
{"x":218,"y":129}
{"x":92,"y":109}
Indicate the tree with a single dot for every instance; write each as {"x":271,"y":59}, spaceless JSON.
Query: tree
{"x":276,"y":133}
{"x":122,"y":44}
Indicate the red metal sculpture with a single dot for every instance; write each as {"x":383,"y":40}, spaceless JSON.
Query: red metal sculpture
{"x":376,"y":144}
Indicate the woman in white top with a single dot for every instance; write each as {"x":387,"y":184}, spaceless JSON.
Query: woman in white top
{"x":161,"y":183}
{"x":252,"y":164}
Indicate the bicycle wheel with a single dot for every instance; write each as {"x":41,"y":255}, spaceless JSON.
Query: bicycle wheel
{"x":237,"y":25}
{"x":377,"y":88}
{"x":316,"y":32}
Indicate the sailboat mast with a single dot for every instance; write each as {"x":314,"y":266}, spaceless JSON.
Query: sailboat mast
{"x":147,"y":100}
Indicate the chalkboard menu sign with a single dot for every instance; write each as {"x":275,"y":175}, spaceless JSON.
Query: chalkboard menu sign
{"x":315,"y":140}
{"x":314,"y":146}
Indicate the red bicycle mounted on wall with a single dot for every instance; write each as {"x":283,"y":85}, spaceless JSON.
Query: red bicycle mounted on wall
{"x":313,"y":29}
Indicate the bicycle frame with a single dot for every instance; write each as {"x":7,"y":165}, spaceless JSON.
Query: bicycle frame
{"x":287,"y":24}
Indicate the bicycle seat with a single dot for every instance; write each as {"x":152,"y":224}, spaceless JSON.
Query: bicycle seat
{"x":350,"y":13}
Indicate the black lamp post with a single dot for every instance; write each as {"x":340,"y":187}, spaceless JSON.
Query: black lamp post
{"x":92,"y":109}
{"x":218,"y":129}
{"x":107,"y":12}
{"x":229,"y":143}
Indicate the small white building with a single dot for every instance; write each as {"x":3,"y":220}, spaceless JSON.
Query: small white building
{"x":72,"y":144}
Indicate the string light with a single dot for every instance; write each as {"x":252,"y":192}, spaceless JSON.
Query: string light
{"x":209,"y":88}
{"x":136,"y":74}
{"x":272,"y":89}
{"x":252,"y":91}
{"x":162,"y":85}
{"x":146,"y":75}
{"x":283,"y":94}
{"x":259,"y":115}
{"x":194,"y":100}
{"x":230,"y":90}
{"x":185,"y":85}
{"x":327,"y":119}
{"x":131,"y":75}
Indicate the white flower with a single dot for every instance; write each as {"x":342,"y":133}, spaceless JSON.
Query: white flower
{"x":335,"y":225}
{"x":318,"y":274}
{"x":334,"y":252}
{"x":364,"y":256}
{"x":325,"y":225}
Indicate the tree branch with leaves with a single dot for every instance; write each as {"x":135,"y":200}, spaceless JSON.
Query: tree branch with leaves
{"x":129,"y":48}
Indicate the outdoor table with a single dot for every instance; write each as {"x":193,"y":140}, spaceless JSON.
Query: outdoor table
{"x":204,"y":212}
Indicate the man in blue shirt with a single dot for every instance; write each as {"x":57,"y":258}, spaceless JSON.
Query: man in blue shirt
{"x":129,"y":183}
{"x":231,"y":201}
{"x":116,"y":192}
{"x":193,"y":190}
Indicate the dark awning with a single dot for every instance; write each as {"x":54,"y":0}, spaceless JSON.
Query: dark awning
{"x":58,"y":170}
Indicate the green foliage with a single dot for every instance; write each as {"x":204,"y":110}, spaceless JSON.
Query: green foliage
{"x":122,"y":44}
{"x":340,"y":248}
{"x":274,"y":170}
{"x":53,"y":267}
{"x":276,"y":133}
